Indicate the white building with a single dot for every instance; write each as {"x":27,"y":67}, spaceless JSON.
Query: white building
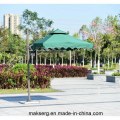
{"x":12,"y":22}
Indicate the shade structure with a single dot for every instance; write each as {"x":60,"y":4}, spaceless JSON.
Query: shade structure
{"x":60,"y":40}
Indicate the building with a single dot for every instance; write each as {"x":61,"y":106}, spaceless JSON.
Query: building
{"x":12,"y":22}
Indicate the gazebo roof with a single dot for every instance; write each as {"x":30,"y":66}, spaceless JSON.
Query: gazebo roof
{"x":59,"y":39}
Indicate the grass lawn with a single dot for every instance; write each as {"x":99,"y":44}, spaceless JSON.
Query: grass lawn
{"x":20,"y":91}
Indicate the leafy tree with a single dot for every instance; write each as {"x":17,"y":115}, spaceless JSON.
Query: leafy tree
{"x":96,"y":34}
{"x":34,"y":24}
{"x":84,"y":30}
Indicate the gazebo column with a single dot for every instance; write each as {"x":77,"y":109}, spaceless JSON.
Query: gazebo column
{"x":36,"y":57}
{"x":45,"y":60}
{"x":70,"y":57}
{"x":83,"y":57}
{"x":40,"y":59}
{"x":74,"y":57}
{"x":4,"y":60}
{"x":50,"y":60}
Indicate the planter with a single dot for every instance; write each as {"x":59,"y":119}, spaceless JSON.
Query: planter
{"x":110,"y":79}
{"x":90,"y":76}
{"x":115,"y":79}
{"x":97,"y":77}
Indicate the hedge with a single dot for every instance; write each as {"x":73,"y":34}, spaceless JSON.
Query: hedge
{"x":16,"y":77}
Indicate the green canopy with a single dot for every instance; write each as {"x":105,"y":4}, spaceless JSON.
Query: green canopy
{"x":60,"y":40}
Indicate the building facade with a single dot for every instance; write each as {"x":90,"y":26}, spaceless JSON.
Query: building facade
{"x":12,"y":22}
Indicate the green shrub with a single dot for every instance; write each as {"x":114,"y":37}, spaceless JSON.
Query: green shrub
{"x":116,"y":74}
{"x":16,"y":77}
{"x":22,"y":68}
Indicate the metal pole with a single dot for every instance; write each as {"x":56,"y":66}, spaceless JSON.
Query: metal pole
{"x":28,"y":66}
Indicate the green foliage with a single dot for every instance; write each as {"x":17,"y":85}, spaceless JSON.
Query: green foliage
{"x":116,"y":74}
{"x":22,"y":68}
{"x":32,"y":23}
{"x":16,"y":77}
{"x":112,"y":66}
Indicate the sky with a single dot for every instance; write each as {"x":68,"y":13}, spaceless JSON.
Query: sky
{"x":67,"y":17}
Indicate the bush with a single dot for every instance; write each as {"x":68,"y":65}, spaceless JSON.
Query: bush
{"x":68,"y":71}
{"x":22,"y":68}
{"x":16,"y":77}
{"x":116,"y":74}
{"x":62,"y":71}
{"x":3,"y":66}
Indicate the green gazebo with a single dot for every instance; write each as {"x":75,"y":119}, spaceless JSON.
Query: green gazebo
{"x":60,"y":40}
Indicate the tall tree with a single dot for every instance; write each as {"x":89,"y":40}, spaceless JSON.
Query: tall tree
{"x":34,"y":24}
{"x":96,"y":34}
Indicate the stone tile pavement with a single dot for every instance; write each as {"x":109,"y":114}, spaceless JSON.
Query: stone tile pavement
{"x":77,"y":94}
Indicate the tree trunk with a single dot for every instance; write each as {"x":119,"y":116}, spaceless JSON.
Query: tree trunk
{"x":112,"y":62}
{"x":104,"y":60}
{"x":83,"y":58}
{"x":99,"y":62}
{"x":91,"y":60}
{"x":28,"y":66}
{"x":95,"y":61}
{"x":70,"y":57}
{"x":108,"y":62}
{"x":119,"y":64}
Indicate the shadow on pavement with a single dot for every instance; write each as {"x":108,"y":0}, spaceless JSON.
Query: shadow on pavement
{"x":24,"y":98}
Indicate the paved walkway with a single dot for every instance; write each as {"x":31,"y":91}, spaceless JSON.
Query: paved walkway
{"x":78,"y":95}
